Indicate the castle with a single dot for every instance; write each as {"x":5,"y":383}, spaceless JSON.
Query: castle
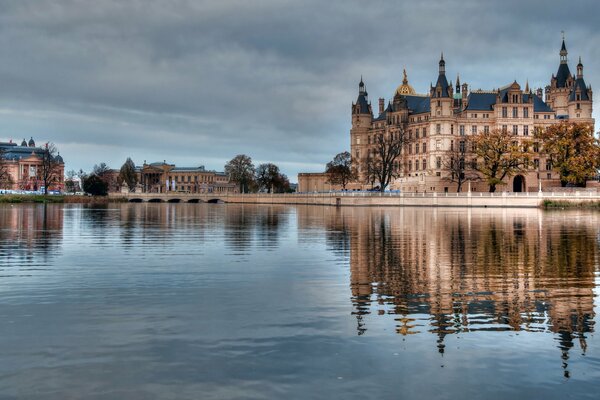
{"x":438,"y":122}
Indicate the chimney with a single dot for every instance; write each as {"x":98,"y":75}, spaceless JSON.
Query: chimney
{"x":381,"y":104}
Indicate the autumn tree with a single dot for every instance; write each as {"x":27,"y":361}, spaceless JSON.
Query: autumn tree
{"x":459,"y":165}
{"x":50,"y":166}
{"x":241,"y":171}
{"x":128,"y":175}
{"x":340,"y":170}
{"x":573,"y":151}
{"x":384,"y":156}
{"x":499,"y":156}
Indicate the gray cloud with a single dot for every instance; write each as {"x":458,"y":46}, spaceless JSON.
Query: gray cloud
{"x":198,"y":82}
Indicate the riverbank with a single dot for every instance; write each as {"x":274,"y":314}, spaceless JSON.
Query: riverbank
{"x":69,"y":199}
{"x":557,"y":204}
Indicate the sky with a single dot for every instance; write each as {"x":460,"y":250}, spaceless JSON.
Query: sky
{"x":197,"y":82}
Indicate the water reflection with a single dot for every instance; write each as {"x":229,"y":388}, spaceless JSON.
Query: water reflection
{"x":455,"y":272}
{"x":27,"y":233}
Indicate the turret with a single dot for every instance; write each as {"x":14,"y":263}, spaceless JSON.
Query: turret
{"x":457,"y":83}
{"x":580,"y":98}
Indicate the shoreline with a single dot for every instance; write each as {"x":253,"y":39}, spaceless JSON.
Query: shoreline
{"x":465,"y":201}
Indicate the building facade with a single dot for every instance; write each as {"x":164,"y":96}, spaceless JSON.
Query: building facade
{"x":163,"y":177}
{"x":23,"y":164}
{"x":438,"y":122}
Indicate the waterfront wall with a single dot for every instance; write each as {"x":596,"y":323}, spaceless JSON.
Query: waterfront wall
{"x":502,"y":199}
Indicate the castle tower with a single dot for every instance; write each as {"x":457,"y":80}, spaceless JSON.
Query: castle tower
{"x":557,"y":94}
{"x":362,"y":118}
{"x":441,"y":93}
{"x":580,"y":98}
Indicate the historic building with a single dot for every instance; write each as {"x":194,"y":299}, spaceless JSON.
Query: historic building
{"x":161,"y":177}
{"x":436,"y":123}
{"x":24,"y":166}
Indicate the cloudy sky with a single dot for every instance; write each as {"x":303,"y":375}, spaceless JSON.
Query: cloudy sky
{"x":197,"y":82}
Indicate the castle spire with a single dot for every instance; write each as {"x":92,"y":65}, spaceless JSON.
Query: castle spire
{"x":579,"y":69}
{"x":442,"y":65}
{"x":563,"y":50}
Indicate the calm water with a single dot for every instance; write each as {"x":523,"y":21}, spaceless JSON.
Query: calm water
{"x":207,"y":301}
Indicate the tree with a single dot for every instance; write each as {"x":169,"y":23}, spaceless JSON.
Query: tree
{"x":128,"y":175}
{"x":268,"y":177}
{"x":71,"y":185}
{"x":95,"y":185}
{"x":5,"y":178}
{"x":573,"y":151}
{"x":241,"y":171}
{"x":499,"y":156}
{"x":341,"y":170}
{"x":381,"y":165}
{"x":50,"y":166}
{"x":458,"y":164}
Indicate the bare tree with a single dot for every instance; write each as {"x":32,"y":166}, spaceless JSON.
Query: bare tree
{"x":459,"y":165}
{"x":50,"y":167}
{"x":340,"y":170}
{"x":128,"y":175}
{"x":386,"y":151}
{"x":5,"y":178}
{"x":241,"y":171}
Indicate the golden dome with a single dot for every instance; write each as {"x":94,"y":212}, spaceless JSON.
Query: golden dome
{"x":405,"y":88}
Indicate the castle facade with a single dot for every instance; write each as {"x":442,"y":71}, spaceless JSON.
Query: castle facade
{"x":437,"y":123}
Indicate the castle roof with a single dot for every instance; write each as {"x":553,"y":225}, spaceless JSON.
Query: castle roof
{"x":363,"y":105}
{"x":562,"y":75}
{"x":484,"y":101}
{"x":579,"y":85}
{"x":418,"y":104}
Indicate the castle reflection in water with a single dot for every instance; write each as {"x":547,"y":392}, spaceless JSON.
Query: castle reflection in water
{"x":454,"y":271}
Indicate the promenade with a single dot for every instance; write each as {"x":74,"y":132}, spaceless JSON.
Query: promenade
{"x":370,"y":199}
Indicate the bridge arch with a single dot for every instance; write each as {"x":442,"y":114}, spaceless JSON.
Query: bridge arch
{"x":174,"y":201}
{"x":136,"y":200}
{"x":155,"y":200}
{"x":195,"y":201}
{"x":215,"y":201}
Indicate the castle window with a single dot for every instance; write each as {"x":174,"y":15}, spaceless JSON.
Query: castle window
{"x":417,"y":148}
{"x":357,"y":140}
{"x":410,"y":165}
{"x":578,"y":106}
{"x":515,"y":112}
{"x":504,"y":112}
{"x":536,"y":147}
{"x":438,"y":129}
{"x":536,"y":163}
{"x":417,"y":133}
{"x":452,"y":145}
{"x":549,"y":176}
{"x":525,"y":130}
{"x":439,"y":103}
{"x":424,"y":132}
{"x":461,"y":130}
{"x":424,"y":164}
{"x":536,"y":117}
{"x":462,"y":147}
{"x":578,"y":97}
{"x":438,"y":144}
{"x":369,"y":139}
{"x":504,"y":128}
{"x":486,"y":129}
{"x":452,"y":129}
{"x":515,"y":130}
{"x":424,"y":147}
{"x":410,"y":149}
{"x":526,"y":112}
{"x":438,"y":162}
{"x":416,"y":165}
{"x":474,"y":129}
{"x":578,"y":115}
{"x":548,"y":165}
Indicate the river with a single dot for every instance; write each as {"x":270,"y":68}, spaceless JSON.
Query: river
{"x":223,"y":301}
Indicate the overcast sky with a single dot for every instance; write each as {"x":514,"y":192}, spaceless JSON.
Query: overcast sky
{"x":197,"y":82}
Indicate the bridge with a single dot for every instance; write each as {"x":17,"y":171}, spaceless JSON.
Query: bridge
{"x":464,"y":199}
